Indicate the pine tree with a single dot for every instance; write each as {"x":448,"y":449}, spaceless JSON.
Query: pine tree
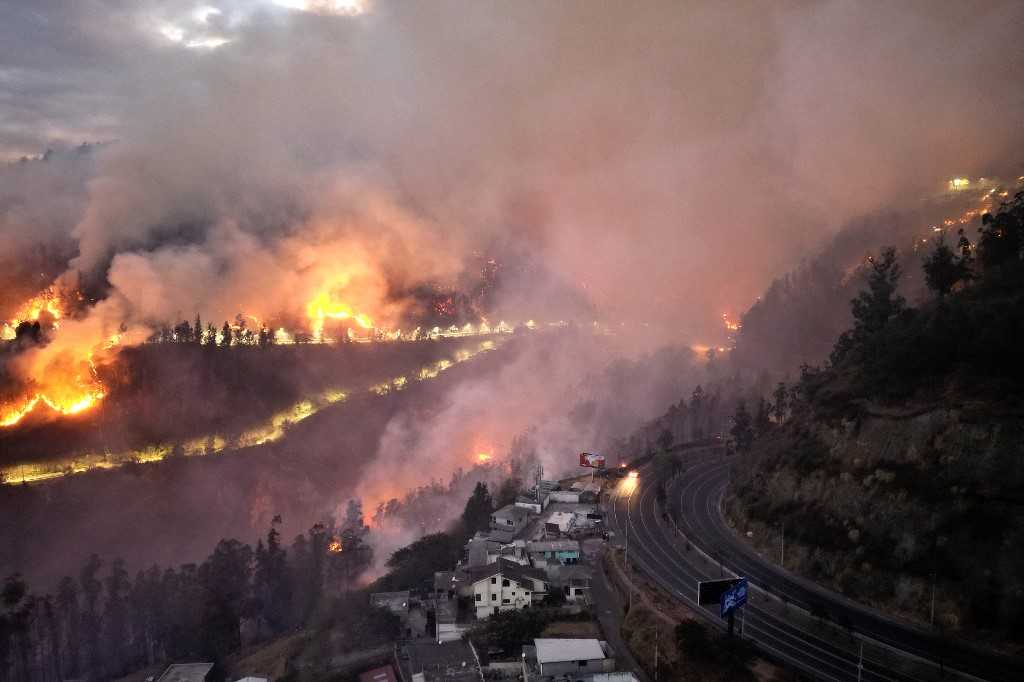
{"x":942,"y":268}
{"x":780,"y":403}
{"x":477,"y":514}
{"x":742,"y":430}
{"x":873,"y":307}
{"x":197,"y":330}
{"x":696,"y":412}
{"x":762,"y":421}
{"x":225,"y":335}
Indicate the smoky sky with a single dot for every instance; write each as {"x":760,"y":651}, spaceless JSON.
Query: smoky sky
{"x":664,"y":159}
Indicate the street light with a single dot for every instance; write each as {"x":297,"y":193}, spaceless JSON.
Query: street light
{"x":630,"y":483}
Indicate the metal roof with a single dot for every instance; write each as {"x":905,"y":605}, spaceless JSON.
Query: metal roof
{"x":553,"y":546}
{"x":562,"y":650}
{"x":186,"y":672}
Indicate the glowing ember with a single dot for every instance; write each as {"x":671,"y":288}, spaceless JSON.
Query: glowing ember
{"x":334,"y":546}
{"x":484,"y":457}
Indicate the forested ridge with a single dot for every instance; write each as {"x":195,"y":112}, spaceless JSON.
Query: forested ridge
{"x":896,"y":465}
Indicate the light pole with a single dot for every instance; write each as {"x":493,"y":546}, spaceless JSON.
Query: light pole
{"x":631,"y":482}
{"x":931,"y":620}
{"x":782,"y":560}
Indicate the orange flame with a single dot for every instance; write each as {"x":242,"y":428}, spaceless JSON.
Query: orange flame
{"x":323,"y":307}
{"x":68,"y":384}
{"x":334,"y":546}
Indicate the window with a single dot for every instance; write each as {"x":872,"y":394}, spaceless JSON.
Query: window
{"x":505,"y":601}
{"x":494,"y":581}
{"x":504,"y":583}
{"x":494,"y":597}
{"x":582,"y":664}
{"x":526,"y":594}
{"x":479,"y":596}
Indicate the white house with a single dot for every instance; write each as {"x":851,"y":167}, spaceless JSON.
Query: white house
{"x":573,"y":657}
{"x":506,"y":586}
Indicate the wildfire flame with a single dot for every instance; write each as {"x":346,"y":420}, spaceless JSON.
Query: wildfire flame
{"x":68,"y":384}
{"x":323,"y":307}
{"x":484,"y":457}
{"x":334,"y":546}
{"x":49,"y":301}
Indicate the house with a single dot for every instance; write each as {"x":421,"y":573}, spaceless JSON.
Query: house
{"x":549,"y":552}
{"x":573,"y":657}
{"x":532,"y":503}
{"x":186,"y":672}
{"x":560,"y":522}
{"x":395,"y":602}
{"x":383,"y":674}
{"x":573,"y":581}
{"x":446,"y":625}
{"x":506,"y":586}
{"x":510,"y":518}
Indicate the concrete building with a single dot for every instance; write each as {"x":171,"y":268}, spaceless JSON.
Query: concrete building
{"x":559,"y":522}
{"x":446,"y":625}
{"x":510,"y":518}
{"x":186,"y":672}
{"x":573,"y":581}
{"x":573,"y":657}
{"x":553,"y":552}
{"x":383,"y":674}
{"x":395,"y":602}
{"x":506,"y":586}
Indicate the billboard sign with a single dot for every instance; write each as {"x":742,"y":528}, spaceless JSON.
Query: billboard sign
{"x":593,"y":461}
{"x":711,"y":591}
{"x":734,"y":597}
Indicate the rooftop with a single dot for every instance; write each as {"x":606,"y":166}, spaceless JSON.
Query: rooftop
{"x":510,"y":511}
{"x":502,"y":536}
{"x":384,"y":674}
{"x":554,"y":546}
{"x":562,"y":650}
{"x":186,"y":672}
{"x":507,"y":568}
{"x":450,"y":661}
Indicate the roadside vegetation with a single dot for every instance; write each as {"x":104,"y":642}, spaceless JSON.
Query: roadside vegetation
{"x":896,"y":466}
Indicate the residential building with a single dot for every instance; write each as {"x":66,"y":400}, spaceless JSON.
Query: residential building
{"x":573,"y":581}
{"x":510,"y":518}
{"x":560,"y":522}
{"x":573,"y":657}
{"x":382,"y":674}
{"x":395,"y":602}
{"x":186,"y":672}
{"x":447,"y":627}
{"x":506,"y":586}
{"x":553,"y":552}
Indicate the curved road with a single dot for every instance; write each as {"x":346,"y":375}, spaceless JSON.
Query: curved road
{"x":659,"y":549}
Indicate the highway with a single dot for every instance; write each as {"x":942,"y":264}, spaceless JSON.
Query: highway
{"x":676,"y":562}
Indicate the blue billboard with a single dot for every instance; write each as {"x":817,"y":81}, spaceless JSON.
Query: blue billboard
{"x":734,"y":597}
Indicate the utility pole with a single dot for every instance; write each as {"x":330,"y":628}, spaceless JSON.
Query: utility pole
{"x":656,"y":633}
{"x":932,"y":619}
{"x":783,"y":559}
{"x":860,"y":663}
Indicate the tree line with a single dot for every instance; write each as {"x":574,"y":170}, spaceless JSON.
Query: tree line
{"x":102,"y":623}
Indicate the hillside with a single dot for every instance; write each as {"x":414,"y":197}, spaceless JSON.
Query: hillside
{"x":799,"y":316}
{"x":897,"y":465}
